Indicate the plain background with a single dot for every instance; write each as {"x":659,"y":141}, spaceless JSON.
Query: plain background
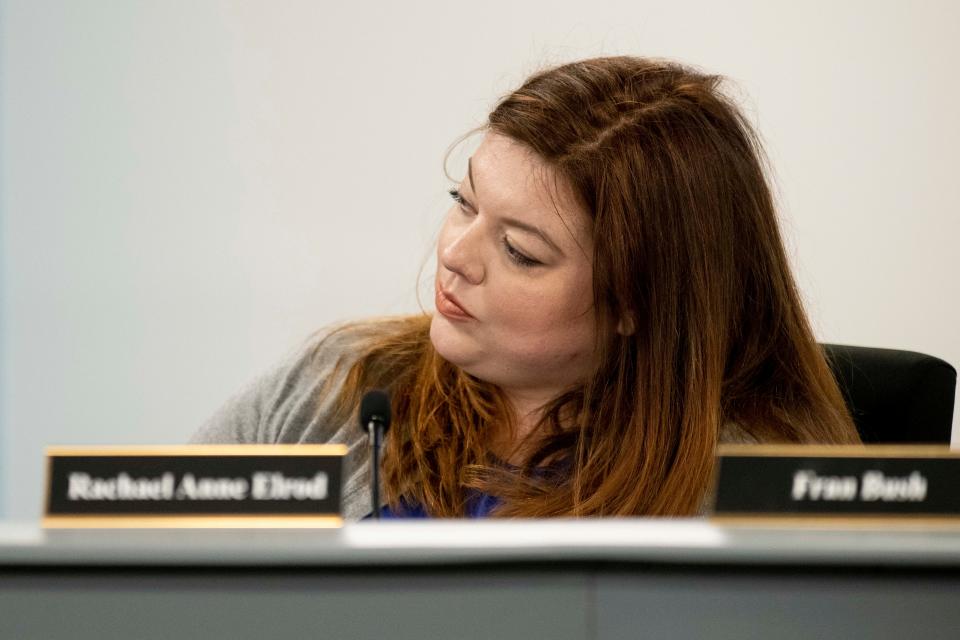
{"x":189,"y":188}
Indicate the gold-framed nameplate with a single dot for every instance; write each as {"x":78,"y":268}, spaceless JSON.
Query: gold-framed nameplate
{"x":194,"y":486}
{"x":845,"y":485}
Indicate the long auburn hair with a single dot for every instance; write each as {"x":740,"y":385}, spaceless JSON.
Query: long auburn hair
{"x":687,"y":247}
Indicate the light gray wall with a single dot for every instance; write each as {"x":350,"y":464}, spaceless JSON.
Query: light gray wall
{"x":188,"y":188}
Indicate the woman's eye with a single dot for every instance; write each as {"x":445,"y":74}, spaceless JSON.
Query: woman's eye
{"x":458,"y":198}
{"x":518,"y":257}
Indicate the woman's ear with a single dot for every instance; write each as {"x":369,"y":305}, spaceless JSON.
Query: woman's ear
{"x":626,"y":326}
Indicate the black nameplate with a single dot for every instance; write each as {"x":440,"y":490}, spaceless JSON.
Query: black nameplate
{"x":830,"y":482}
{"x":196,"y":485}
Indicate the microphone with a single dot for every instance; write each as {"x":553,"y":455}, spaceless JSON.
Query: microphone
{"x":375,"y":420}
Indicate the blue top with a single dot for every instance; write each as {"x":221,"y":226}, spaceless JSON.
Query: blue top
{"x":479,"y":505}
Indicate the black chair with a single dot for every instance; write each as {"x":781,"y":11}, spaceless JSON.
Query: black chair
{"x":895,"y":396}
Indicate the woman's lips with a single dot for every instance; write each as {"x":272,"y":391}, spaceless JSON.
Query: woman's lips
{"x":448,"y":307}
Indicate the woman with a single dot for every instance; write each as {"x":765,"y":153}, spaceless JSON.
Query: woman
{"x":613,"y":299}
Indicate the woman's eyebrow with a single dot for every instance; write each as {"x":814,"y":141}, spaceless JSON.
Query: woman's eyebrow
{"x":513,"y":222}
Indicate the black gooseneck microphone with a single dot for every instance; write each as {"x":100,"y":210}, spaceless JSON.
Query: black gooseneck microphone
{"x":375,"y":420}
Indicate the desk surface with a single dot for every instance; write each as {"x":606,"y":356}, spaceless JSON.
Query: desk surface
{"x":524,"y":580}
{"x":434,"y":542}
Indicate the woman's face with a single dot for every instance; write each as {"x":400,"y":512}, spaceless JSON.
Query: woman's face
{"x":514,"y":289}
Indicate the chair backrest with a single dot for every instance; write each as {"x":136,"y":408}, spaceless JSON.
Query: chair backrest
{"x":895,"y":396}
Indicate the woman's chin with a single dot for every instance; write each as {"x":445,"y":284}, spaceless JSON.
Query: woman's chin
{"x":454,"y":345}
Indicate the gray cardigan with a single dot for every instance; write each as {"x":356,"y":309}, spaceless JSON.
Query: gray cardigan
{"x":285,"y":405}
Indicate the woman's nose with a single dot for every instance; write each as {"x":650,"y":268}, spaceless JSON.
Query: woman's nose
{"x":463,"y":253}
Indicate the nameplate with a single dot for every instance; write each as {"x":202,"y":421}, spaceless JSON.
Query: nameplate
{"x":194,"y":486}
{"x":849,"y":483}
